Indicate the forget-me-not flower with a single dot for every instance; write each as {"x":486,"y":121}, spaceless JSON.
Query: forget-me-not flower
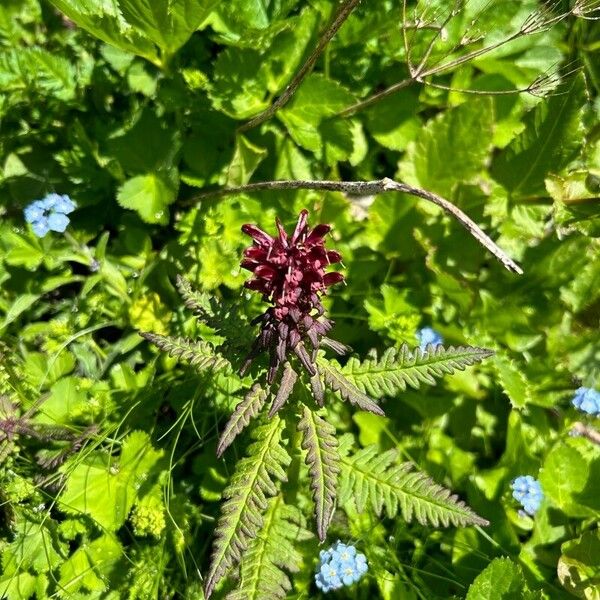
{"x":587,"y":400}
{"x":528,"y":491}
{"x":49,"y":214}
{"x":428,"y":335}
{"x":339,"y":566}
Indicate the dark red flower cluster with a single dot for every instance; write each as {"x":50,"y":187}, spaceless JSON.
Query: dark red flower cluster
{"x":290,"y":272}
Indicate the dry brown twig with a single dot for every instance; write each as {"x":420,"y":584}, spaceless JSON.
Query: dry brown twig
{"x":369,"y":188}
{"x":338,"y":20}
{"x":579,"y":429}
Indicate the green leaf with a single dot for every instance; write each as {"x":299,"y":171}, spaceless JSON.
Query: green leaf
{"x":245,"y":410}
{"x":393,"y":123}
{"x":262,"y":575}
{"x":578,"y":567}
{"x":399,"y":368}
{"x":502,"y":579}
{"x":349,"y":392}
{"x":168,"y":23}
{"x":451,"y":149}
{"x":105,"y":488}
{"x":320,"y":442}
{"x":149,"y":195}
{"x":20,"y":586}
{"x":246,"y":159}
{"x":35,"y":547}
{"x":552,"y":137}
{"x":35,"y":70}
{"x":200,"y":355}
{"x":513,"y":381}
{"x":317,"y":99}
{"x":245,"y":499}
{"x":376,"y":479}
{"x":90,"y":566}
{"x":577,"y":491}
{"x":105,"y":20}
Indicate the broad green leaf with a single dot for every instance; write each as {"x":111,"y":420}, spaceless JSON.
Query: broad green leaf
{"x":317,"y":99}
{"x":149,"y":195}
{"x":90,"y":566}
{"x":105,"y":488}
{"x":168,"y":23}
{"x":245,"y":161}
{"x":37,"y":71}
{"x":552,"y":137}
{"x":577,"y":491}
{"x":579,"y":568}
{"x":501,"y":580}
{"x":453,"y":148}
{"x":393,"y":122}
{"x":35,"y":548}
{"x":106,"y":21}
{"x":20,"y":586}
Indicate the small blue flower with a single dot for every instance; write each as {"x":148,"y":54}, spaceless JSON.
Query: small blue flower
{"x":528,"y":491}
{"x":427,"y":336}
{"x":339,"y":566}
{"x":49,"y":214}
{"x":587,"y":400}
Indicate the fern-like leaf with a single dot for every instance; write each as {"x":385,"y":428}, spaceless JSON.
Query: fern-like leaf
{"x":200,"y":355}
{"x":375,"y":478}
{"x":246,"y":499}
{"x":286,"y":387}
{"x":245,"y":410}
{"x":262,"y":575}
{"x":399,"y":368}
{"x":339,"y":383}
{"x":225,"y":318}
{"x":320,"y":442}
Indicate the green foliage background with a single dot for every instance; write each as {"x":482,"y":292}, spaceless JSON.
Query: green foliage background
{"x":111,"y":487}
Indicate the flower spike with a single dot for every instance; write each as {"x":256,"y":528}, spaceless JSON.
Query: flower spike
{"x":290,"y":273}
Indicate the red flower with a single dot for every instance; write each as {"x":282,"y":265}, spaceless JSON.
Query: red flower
{"x":290,"y":273}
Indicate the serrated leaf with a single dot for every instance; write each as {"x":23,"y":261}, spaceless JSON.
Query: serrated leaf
{"x":376,"y":479}
{"x":90,"y":566}
{"x":398,"y":368}
{"x":502,"y":579}
{"x":246,"y":409}
{"x":452,"y":148}
{"x":246,"y":499}
{"x":262,"y":575}
{"x":578,"y":567}
{"x":552,"y":137}
{"x":513,"y":382}
{"x":339,"y":383}
{"x":149,"y":195}
{"x":317,"y":99}
{"x":200,"y":355}
{"x":105,"y":488}
{"x":320,"y":442}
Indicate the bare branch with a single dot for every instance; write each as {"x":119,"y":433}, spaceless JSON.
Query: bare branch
{"x":579,"y":429}
{"x":369,"y":188}
{"x":338,"y":20}
{"x":537,"y":22}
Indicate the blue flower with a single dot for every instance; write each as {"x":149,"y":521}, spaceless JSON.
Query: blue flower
{"x":339,"y":566}
{"x":427,"y":336}
{"x":587,"y":400}
{"x":49,"y":214}
{"x":528,"y":491}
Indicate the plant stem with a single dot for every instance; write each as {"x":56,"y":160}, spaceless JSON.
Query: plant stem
{"x":338,"y":20}
{"x":369,"y":188}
